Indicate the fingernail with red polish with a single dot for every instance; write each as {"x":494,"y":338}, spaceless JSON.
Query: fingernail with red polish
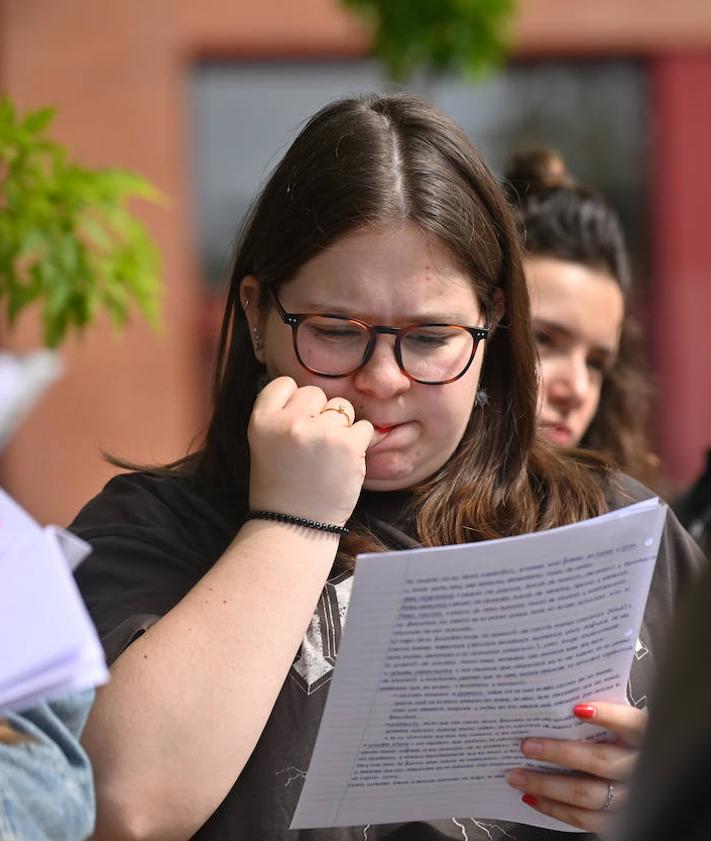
{"x":529,"y":800}
{"x":584,"y":711}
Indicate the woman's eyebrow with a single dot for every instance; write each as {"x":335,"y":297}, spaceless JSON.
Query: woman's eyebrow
{"x":567,"y":333}
{"x":331,"y":308}
{"x":552,"y":327}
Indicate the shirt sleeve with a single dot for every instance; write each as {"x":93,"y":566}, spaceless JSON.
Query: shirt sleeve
{"x":152,"y":539}
{"x":679,"y":565}
{"x":680,"y":558}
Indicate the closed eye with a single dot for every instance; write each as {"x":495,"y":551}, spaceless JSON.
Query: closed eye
{"x":427,"y":339}
{"x":601,"y":365}
{"x":333,"y":332}
{"x":543,"y":338}
{"x":434,"y":338}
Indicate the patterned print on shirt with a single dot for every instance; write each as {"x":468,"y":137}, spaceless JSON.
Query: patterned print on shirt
{"x":316,"y":657}
{"x":640,"y":651}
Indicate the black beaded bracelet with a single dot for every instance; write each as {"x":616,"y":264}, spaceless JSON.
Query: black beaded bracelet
{"x":293,"y":520}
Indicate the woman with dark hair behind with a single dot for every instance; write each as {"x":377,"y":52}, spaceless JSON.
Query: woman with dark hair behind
{"x":594,"y":387}
{"x":376,"y":291}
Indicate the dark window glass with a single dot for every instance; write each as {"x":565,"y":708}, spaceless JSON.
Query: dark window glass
{"x":246,"y":114}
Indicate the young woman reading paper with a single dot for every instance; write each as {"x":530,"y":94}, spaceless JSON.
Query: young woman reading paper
{"x":377,"y":291}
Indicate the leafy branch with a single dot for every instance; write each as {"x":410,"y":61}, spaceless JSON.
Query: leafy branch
{"x":67,"y":239}
{"x":461,"y":36}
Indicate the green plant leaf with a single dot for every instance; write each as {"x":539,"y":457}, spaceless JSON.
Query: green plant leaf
{"x":67,"y":237}
{"x":460,"y":36}
{"x":38,"y":121}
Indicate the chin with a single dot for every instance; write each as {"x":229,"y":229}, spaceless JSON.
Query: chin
{"x":394,"y":477}
{"x":386,"y":484}
{"x":389,"y":480}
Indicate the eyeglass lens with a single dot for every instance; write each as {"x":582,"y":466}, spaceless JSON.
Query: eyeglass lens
{"x":337,"y":346}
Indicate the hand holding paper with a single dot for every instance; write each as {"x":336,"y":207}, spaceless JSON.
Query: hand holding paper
{"x":48,"y":644}
{"x":451,"y":656}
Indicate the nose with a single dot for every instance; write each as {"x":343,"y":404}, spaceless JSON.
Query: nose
{"x":568,"y":385}
{"x":381,"y":376}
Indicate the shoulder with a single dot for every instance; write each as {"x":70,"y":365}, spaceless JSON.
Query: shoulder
{"x":153,"y":535}
{"x":125,"y":496}
{"x":622,"y":490}
{"x":694,"y":507}
{"x":680,"y":559}
{"x":155,"y":506}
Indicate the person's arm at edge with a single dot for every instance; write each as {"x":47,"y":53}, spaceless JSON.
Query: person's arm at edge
{"x":189,"y":699}
{"x":46,"y":784}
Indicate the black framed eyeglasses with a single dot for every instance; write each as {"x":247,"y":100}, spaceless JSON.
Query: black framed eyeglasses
{"x":335,"y":346}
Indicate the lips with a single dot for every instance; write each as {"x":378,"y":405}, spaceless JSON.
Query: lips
{"x":558,"y":433}
{"x":383,"y":427}
{"x":384,"y":432}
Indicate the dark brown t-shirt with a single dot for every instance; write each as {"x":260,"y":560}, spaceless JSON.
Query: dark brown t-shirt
{"x":154,"y":536}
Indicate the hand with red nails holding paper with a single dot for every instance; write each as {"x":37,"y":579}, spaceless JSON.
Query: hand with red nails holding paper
{"x":586,"y":798}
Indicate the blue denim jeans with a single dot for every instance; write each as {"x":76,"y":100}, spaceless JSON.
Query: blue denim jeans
{"x":46,"y":785}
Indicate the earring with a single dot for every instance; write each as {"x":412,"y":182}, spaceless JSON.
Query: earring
{"x":482,"y":397}
{"x":257,"y":339}
{"x":245,"y":305}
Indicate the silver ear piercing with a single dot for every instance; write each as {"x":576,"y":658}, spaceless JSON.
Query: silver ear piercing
{"x":482,"y":397}
{"x":245,"y":305}
{"x":257,"y":339}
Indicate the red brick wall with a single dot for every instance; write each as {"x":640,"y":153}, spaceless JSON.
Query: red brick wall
{"x":117,"y":72}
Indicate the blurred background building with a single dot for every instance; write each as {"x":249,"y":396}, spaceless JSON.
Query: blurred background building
{"x":202,"y":97}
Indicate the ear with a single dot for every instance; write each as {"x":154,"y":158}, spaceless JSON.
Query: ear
{"x":250,"y":290}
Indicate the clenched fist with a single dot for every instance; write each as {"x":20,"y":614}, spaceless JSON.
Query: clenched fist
{"x":307,"y":454}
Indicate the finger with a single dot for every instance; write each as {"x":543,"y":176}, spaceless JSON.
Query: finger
{"x":583,"y":792}
{"x":308,"y":400}
{"x":340,"y":410}
{"x":601,"y":759}
{"x":365,"y":430}
{"x":626,"y":721}
{"x":590,"y":821}
{"x":275,"y":394}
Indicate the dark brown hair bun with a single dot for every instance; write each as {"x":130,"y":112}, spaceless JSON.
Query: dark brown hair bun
{"x":539,"y":169}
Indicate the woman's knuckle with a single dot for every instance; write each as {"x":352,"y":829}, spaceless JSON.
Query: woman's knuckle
{"x":299,"y":432}
{"x":312,"y":391}
{"x":580,"y":794}
{"x":567,"y":814}
{"x":554,"y":751}
{"x":599,"y":757}
{"x":256,"y":417}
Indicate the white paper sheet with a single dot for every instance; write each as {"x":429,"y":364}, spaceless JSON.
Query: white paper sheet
{"x":48,"y":644}
{"x":451,"y":656}
{"x":23,"y":379}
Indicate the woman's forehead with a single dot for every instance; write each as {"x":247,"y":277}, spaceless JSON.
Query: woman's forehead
{"x":388,"y":268}
{"x":586,"y":302}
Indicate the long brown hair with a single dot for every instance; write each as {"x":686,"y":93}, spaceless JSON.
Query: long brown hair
{"x":382,"y":160}
{"x":560,"y":217}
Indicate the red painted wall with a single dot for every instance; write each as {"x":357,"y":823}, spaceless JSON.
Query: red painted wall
{"x":680,"y":326}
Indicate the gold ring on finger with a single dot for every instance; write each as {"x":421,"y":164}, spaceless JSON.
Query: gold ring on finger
{"x":341,"y":409}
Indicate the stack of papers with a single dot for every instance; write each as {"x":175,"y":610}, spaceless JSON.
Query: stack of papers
{"x":451,"y":656}
{"x":48,"y":644}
